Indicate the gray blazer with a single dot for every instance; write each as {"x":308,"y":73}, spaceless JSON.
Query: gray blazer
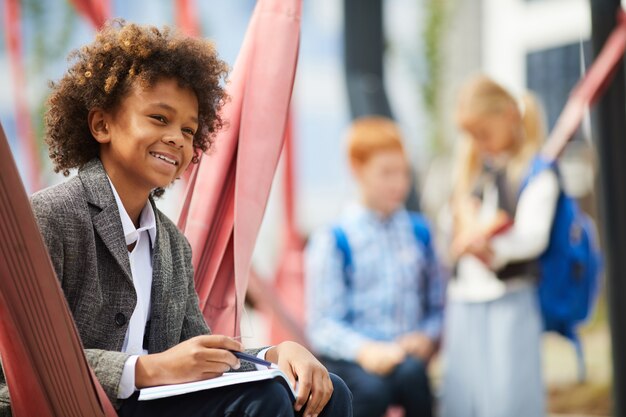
{"x":81,"y":226}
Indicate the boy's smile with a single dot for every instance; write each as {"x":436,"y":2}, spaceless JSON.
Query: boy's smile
{"x":147,"y":141}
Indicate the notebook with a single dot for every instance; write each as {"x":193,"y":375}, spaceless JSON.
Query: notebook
{"x":229,"y":378}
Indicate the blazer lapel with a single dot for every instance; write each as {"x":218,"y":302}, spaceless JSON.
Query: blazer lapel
{"x":104,"y":214}
{"x":162,"y":273}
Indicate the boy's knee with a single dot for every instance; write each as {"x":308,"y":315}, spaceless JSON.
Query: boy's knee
{"x":412,"y":370}
{"x":373,"y":395}
{"x":275,"y":400}
{"x":340,"y":403}
{"x":341,"y":392}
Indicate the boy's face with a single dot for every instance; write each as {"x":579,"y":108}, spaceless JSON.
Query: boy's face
{"x":147,"y":141}
{"x":384,"y":181}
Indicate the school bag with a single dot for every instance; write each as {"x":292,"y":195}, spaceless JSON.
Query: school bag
{"x":570,"y":267}
{"x":421,"y":231}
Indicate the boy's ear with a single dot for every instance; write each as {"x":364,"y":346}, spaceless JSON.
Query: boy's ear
{"x":355,"y":169}
{"x":98,"y":126}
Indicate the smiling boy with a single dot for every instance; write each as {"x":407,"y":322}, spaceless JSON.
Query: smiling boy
{"x":133,"y":111}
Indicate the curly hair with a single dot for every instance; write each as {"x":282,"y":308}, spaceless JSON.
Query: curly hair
{"x":104,"y":72}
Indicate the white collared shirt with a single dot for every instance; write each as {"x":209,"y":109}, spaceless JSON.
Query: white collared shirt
{"x":141,"y":271}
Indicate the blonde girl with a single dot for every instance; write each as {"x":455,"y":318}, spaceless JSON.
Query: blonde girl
{"x":493,"y":327}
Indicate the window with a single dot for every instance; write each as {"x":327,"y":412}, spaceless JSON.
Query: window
{"x":552,"y":73}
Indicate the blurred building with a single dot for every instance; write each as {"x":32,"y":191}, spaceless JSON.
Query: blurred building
{"x":536,"y":45}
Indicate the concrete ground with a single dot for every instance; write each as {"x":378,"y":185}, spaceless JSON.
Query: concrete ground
{"x":593,"y":398}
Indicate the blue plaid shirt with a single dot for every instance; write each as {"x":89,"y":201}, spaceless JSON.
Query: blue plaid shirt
{"x":384,"y":300}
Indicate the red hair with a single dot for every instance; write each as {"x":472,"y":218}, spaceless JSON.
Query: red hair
{"x":370,"y":135}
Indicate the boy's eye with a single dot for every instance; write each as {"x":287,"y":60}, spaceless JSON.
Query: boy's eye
{"x":159,"y":118}
{"x":189,"y":132}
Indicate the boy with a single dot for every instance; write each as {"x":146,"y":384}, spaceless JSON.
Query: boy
{"x":376,"y":321}
{"x":132,"y":112}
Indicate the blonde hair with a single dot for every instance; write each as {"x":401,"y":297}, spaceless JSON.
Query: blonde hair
{"x":481,"y":96}
{"x":370,"y":135}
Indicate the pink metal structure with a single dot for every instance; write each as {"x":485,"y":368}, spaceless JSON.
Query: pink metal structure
{"x":28,"y":142}
{"x":96,"y":11}
{"x":228,"y":191}
{"x":42,"y":356}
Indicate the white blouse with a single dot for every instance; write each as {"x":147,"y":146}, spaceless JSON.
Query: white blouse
{"x":526,"y":240}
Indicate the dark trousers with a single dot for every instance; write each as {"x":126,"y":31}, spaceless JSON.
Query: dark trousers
{"x":406,"y":386}
{"x":256,"y":399}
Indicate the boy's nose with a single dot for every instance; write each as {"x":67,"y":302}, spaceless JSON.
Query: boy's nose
{"x":177,"y":144}
{"x":174,"y":140}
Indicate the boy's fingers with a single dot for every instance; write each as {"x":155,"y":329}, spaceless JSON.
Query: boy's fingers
{"x":219,"y":341}
{"x":211,"y":375}
{"x":205,"y":356}
{"x":318,"y":398}
{"x":216,"y":367}
{"x":226,"y":357}
{"x":304,"y":390}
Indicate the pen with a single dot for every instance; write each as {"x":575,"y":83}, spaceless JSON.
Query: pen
{"x":251,"y":358}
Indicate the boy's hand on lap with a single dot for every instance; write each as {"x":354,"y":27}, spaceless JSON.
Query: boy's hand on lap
{"x":418,"y":345}
{"x":201,"y":357}
{"x":314,"y":387}
{"x":380,"y":358}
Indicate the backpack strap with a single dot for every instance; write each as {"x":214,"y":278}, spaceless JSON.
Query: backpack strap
{"x":421,"y":231}
{"x":580,"y":358}
{"x":537,"y":166}
{"x":423,"y":237}
{"x":341,"y":241}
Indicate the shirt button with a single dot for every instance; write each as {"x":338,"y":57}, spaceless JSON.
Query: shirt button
{"x":120,"y":319}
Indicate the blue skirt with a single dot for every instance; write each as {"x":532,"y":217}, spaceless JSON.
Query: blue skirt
{"x":492,"y":358}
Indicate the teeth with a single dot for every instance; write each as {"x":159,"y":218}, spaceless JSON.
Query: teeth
{"x":164,"y":158}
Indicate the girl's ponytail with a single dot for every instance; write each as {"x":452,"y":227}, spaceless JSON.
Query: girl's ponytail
{"x":532,"y":120}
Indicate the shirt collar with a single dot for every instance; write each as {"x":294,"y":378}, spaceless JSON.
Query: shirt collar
{"x":146,"y":220}
{"x":358,"y":210}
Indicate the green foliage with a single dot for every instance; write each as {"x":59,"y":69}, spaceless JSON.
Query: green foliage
{"x":50,"y":40}
{"x":437,"y":14}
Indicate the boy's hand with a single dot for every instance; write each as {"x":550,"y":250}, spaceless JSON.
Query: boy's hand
{"x":380,"y":358}
{"x":314,"y":385}
{"x":201,"y":357}
{"x":418,"y":345}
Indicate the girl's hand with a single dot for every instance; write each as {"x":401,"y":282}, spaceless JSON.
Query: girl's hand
{"x":477,"y":244}
{"x":314,"y":385}
{"x":201,"y":357}
{"x":481,"y":249}
{"x":461,"y":243}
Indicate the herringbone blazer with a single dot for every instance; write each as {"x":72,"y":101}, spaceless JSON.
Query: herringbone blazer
{"x":81,"y":226}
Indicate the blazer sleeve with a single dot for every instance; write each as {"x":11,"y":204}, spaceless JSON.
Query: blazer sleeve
{"x":193,"y":323}
{"x":108,"y":366}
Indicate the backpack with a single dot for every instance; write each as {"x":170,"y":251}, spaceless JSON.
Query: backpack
{"x":423,"y":238}
{"x":569,"y":268}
